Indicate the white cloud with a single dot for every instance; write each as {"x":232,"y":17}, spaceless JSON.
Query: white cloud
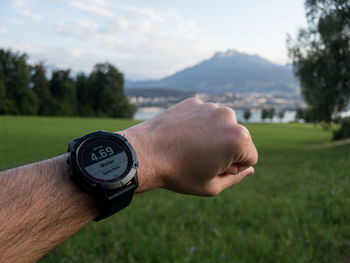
{"x":2,"y":30}
{"x":73,"y":58}
{"x":142,"y":41}
{"x":20,"y":3}
{"x":79,"y":28}
{"x":29,"y":14}
{"x":17,"y":22}
{"x":22,"y":8}
{"x":94,"y":7}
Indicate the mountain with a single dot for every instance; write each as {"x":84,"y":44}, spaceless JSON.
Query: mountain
{"x":229,"y":71}
{"x":157,"y":92}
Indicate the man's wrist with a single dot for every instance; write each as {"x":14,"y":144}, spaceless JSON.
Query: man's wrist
{"x":148,"y":176}
{"x":88,"y":202}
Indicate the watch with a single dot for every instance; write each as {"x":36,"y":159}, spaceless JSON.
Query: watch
{"x":105,"y":165}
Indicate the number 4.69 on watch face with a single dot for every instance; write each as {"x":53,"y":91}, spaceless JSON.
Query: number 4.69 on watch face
{"x":103,"y":159}
{"x":105,"y":165}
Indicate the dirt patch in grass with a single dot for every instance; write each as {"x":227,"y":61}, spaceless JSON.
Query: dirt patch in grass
{"x":331,"y":144}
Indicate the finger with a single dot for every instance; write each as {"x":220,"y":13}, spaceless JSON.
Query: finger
{"x":231,"y":112}
{"x":191,"y":101}
{"x":227,"y":180}
{"x":235,"y":169}
{"x":227,"y":114}
{"x":246,"y":153}
{"x":248,"y":157}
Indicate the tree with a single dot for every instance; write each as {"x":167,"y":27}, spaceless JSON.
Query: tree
{"x":321,"y":57}
{"x":306,"y":114}
{"x":106,"y":83}
{"x":63,"y":90}
{"x":20,"y":99}
{"x":267,"y":113}
{"x":344,"y":130}
{"x":264,"y":114}
{"x":3,"y":99}
{"x":24,"y":89}
{"x":271,"y":113}
{"x":281,"y":114}
{"x":41,"y":89}
{"x":6,"y":106}
{"x":85,"y":95}
{"x":247,"y":114}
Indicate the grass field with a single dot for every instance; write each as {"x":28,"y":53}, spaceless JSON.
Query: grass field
{"x":295,"y":208}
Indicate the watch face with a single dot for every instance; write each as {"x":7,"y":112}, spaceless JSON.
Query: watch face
{"x":104,"y":158}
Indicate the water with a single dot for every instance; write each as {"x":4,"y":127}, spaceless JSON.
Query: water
{"x":289,"y":116}
{"x":148,"y":113}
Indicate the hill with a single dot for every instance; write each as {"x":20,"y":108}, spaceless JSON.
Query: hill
{"x":229,"y":71}
{"x":293,"y":209}
{"x":157,"y":92}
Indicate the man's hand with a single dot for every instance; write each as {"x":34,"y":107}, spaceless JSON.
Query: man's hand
{"x":193,"y":148}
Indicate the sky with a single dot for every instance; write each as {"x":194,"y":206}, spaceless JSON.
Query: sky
{"x":146,"y":39}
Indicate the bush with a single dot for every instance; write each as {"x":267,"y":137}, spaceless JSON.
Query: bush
{"x":247,"y":114}
{"x":344,"y":131}
{"x":306,"y":114}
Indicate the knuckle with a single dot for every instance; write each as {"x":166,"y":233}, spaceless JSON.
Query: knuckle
{"x":255,"y":157}
{"x":210,"y":105}
{"x":237,"y":136}
{"x":227,"y":114}
{"x":242,"y":133}
{"x":193,"y":101}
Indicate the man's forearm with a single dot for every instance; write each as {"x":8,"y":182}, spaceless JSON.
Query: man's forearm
{"x":192,"y":148}
{"x":39,"y":208}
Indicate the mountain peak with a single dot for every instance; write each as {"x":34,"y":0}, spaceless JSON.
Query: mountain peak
{"x":227,"y":53}
{"x":230,"y":71}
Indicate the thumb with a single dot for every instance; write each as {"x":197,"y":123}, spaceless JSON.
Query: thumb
{"x":227,"y":179}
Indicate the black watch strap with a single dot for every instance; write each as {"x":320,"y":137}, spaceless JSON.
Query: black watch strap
{"x":116,"y":200}
{"x":114,"y":193}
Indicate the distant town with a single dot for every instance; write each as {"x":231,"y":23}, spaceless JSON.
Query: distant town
{"x":242,"y":101}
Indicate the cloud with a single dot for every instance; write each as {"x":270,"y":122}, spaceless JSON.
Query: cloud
{"x":20,"y":3}
{"x":22,"y":7}
{"x":17,"y":22}
{"x":143,"y":41}
{"x":94,"y":7}
{"x":62,"y":57}
{"x":2,"y":30}
{"x":79,"y":28}
{"x":29,"y":14}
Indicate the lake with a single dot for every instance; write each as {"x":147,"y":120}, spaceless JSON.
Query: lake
{"x":149,"y":112}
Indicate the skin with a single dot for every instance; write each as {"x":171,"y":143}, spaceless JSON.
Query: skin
{"x":192,"y":148}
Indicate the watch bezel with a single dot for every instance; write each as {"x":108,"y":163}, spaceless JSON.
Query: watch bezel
{"x":91,"y":183}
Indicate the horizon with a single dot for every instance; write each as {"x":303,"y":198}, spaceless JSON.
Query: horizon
{"x":146,"y":41}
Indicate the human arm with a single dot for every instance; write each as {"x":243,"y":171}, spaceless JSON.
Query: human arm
{"x":192,"y":148}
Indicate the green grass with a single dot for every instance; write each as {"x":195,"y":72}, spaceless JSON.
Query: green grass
{"x":28,"y":139}
{"x":295,"y":208}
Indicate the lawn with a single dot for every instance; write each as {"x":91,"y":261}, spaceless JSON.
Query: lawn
{"x":295,"y":208}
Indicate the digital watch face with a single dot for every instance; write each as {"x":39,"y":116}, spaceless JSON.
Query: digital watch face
{"x":104,"y":159}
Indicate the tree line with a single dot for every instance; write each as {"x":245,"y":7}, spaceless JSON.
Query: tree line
{"x":321,"y":58}
{"x":25,"y":89}
{"x":265,"y":114}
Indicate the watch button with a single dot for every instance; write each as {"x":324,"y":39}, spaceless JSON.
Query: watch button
{"x":123,"y":138}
